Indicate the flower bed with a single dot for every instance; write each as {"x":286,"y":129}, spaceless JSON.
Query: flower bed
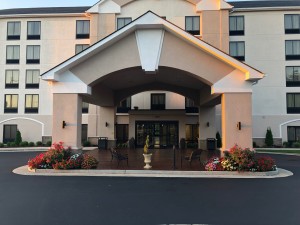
{"x":60,"y":158}
{"x":238,"y":159}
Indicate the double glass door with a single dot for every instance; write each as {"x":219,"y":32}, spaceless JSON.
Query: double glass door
{"x":162,"y":134}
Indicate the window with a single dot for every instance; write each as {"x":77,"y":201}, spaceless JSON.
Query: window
{"x":293,"y":102}
{"x":158,"y":101}
{"x":13,"y":30}
{"x":12,"y":79}
{"x":80,"y":48}
{"x":34,"y":30}
{"x":32,"y":78}
{"x":236,"y":25}
{"x":293,"y":134}
{"x":31,"y":103}
{"x":9,"y":133}
{"x":33,"y":54}
{"x":85,"y":107}
{"x":292,"y":76}
{"x":192,"y":133}
{"x":292,"y":24}
{"x":82,"y":29}
{"x":12,"y":54}
{"x":192,"y":24}
{"x":122,"y":22}
{"x":11,"y":104}
{"x":292,"y":50}
{"x":190,"y":106}
{"x":237,"y":50}
{"x":124,"y":106}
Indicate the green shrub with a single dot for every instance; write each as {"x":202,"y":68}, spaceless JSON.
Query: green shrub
{"x":219,"y":140}
{"x":1,"y":145}
{"x":13,"y":144}
{"x":39,"y":143}
{"x":49,"y":143}
{"x":24,"y":144}
{"x":31,"y":144}
{"x":296,"y":145}
{"x":86,"y":144}
{"x":269,"y":138}
{"x":18,"y":139}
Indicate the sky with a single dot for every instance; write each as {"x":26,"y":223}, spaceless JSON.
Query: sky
{"x":8,"y":4}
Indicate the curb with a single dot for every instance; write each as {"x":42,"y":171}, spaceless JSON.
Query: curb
{"x":278,"y":153}
{"x":152,"y":173}
{"x":36,"y":149}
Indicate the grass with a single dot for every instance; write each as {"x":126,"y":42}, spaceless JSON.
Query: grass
{"x":279,"y":151}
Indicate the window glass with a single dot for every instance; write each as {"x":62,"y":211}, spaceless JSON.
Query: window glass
{"x":82,"y":29}
{"x":122,"y":22}
{"x":13,"y":52}
{"x":192,"y":24}
{"x":13,"y":30}
{"x":34,"y":30}
{"x":11,"y":78}
{"x":33,"y":54}
{"x":80,"y":48}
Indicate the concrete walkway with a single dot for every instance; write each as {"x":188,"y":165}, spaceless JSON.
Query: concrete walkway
{"x":153,"y":173}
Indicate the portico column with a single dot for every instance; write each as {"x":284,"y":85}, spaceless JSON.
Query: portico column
{"x":67,"y":108}
{"x":236,"y":120}
{"x":107,"y":122}
{"x":207,"y":125}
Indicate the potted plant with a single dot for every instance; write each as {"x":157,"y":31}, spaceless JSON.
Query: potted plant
{"x":147,"y":154}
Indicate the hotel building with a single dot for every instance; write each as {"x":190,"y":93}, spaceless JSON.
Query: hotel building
{"x":170,"y":69}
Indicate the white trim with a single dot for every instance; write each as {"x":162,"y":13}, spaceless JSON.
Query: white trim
{"x":25,"y":118}
{"x":43,"y":15}
{"x":285,"y":123}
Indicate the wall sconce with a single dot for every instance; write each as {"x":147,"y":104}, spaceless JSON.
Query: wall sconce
{"x":207,"y":124}
{"x":64,"y":124}
{"x":239,"y":125}
{"x":106,"y":124}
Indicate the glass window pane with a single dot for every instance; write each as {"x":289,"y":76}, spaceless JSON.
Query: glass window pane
{"x":10,"y":52}
{"x":196,"y":23}
{"x":232,"y":23}
{"x":240,"y":23}
{"x":288,"y":22}
{"x":28,"y":100}
{"x":289,"y":48}
{"x":17,"y":30}
{"x":233,"y":48}
{"x":291,"y":134}
{"x":296,"y":73}
{"x":289,"y":73}
{"x":35,"y":101}
{"x":36,"y":53}
{"x":14,"y":101}
{"x":10,"y":28}
{"x":241,"y":49}
{"x":296,"y":47}
{"x":290,"y":100}
{"x":295,"y":21}
{"x":189,"y":23}
{"x":120,"y":23}
{"x":297,"y":100}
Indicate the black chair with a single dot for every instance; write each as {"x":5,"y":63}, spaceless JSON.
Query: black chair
{"x":194,"y":155}
{"x":118,"y":156}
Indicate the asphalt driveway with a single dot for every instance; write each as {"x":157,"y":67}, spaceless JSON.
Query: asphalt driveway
{"x":35,"y":200}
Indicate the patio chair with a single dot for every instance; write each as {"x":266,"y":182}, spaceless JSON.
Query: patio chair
{"x":118,"y":156}
{"x":194,"y":155}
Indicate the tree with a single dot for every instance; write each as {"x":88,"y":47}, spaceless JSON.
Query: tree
{"x":219,"y":140}
{"x":269,"y":138}
{"x":18,"y":139}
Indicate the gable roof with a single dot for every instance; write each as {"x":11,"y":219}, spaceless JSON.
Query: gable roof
{"x":149,"y":21}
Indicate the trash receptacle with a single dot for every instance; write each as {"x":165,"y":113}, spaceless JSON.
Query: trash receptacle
{"x":102,"y":143}
{"x":211,"y":143}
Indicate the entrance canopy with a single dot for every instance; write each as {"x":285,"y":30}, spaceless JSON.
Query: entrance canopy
{"x":150,"y":53}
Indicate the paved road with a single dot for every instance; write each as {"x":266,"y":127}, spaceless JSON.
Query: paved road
{"x":35,"y":200}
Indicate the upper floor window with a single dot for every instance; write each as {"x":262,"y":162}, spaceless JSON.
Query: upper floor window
{"x":293,"y":102}
{"x":192,"y":24}
{"x":12,"y":79}
{"x":12,"y":54}
{"x":32,"y":78}
{"x":11,"y":104}
{"x":34,"y":30}
{"x":292,"y":24}
{"x":158,"y":101}
{"x":190,"y":106}
{"x":33,"y":54}
{"x":80,"y":48}
{"x":236,"y":25}
{"x":124,"y":106}
{"x":292,"y":76}
{"x":31,"y":103}
{"x":292,"y":50}
{"x":122,"y":22}
{"x":237,"y":50}
{"x":85,"y":107}
{"x":82,"y":29}
{"x":13,"y":30}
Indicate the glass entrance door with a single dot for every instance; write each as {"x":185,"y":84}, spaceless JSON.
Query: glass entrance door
{"x":162,"y":134}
